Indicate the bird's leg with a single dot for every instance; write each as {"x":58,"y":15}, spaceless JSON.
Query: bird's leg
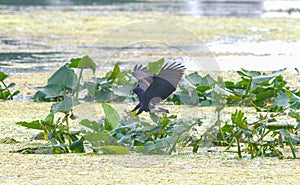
{"x":136,"y":107}
{"x":139,"y":112}
{"x":158,"y":109}
{"x":163,"y":110}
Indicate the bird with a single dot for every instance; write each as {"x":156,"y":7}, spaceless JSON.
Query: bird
{"x":153,"y":88}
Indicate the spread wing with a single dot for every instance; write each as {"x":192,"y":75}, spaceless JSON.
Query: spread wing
{"x":164,"y":83}
{"x":143,"y":76}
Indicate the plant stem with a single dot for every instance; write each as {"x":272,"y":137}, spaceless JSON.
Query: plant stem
{"x":263,"y":135}
{"x":248,"y":87}
{"x":218,"y":122}
{"x":68,"y":128}
{"x":239,"y":148}
{"x":251,"y":147}
{"x":292,"y":147}
{"x":195,"y":148}
{"x":230,"y":144}
{"x":9,"y":96}
{"x":221,"y":133}
{"x":78,"y":84}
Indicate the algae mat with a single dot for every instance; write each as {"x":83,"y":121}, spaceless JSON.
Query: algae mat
{"x":145,"y":169}
{"x":184,"y":168}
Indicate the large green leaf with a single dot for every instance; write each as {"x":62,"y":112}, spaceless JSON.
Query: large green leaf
{"x":51,"y":149}
{"x":267,"y":77}
{"x":111,"y":115}
{"x":248,"y":73}
{"x":123,"y":78}
{"x":265,"y":94}
{"x":189,"y":97}
{"x":282,"y":100}
{"x":77,"y":146}
{"x":39,"y":97}
{"x":90,"y":124}
{"x":65,"y":105}
{"x":97,"y":136}
{"x":64,"y":77}
{"x":92,"y":88}
{"x":123,"y":91}
{"x":112,"y":149}
{"x":3,"y":76}
{"x":15,"y":93}
{"x":222,"y":91}
{"x":11,"y":85}
{"x":154,"y":67}
{"x":202,"y":83}
{"x":239,"y":120}
{"x":295,"y":114}
{"x":49,"y":120}
{"x":39,"y":125}
{"x":36,"y":124}
{"x":113,"y":75}
{"x":51,"y":90}
{"x":74,"y":62}
{"x":160,"y":144}
{"x":83,"y":63}
{"x":293,"y":97}
{"x":4,"y":94}
{"x":180,"y":128}
{"x":194,"y":78}
{"x":105,"y":96}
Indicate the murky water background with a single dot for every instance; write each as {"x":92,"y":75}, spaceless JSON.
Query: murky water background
{"x":22,"y":52}
{"x":254,"y":8}
{"x":22,"y":55}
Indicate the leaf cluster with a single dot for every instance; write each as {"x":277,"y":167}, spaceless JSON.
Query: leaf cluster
{"x":5,"y":92}
{"x":263,"y":137}
{"x":57,"y":133}
{"x":160,"y":135}
{"x":266,"y":92}
{"x":114,"y":86}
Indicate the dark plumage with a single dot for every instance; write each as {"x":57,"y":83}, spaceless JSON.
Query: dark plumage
{"x":152,"y":89}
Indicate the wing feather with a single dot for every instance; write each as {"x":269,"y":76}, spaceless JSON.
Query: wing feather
{"x":143,"y":76}
{"x":164,"y":83}
{"x":172,"y":73}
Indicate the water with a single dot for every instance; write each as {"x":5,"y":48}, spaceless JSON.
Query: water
{"x":23,"y":54}
{"x":268,"y":56}
{"x":246,"y":8}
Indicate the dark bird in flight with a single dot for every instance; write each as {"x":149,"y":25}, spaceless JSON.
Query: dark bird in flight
{"x":152,"y":89}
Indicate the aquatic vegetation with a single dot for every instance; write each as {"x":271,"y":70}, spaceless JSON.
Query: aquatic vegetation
{"x":56,"y":132}
{"x":62,"y":82}
{"x":5,"y":92}
{"x":261,"y":137}
{"x":160,"y":135}
{"x":268,"y":93}
{"x":115,"y":86}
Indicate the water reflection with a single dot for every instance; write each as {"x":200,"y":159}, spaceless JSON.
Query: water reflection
{"x":62,"y":2}
{"x":247,"y":8}
{"x":225,"y":8}
{"x":191,"y":7}
{"x":14,"y":62}
{"x":228,"y":8}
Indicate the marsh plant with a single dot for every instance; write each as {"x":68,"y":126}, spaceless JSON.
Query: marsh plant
{"x":55,"y":129}
{"x":5,"y":89}
{"x":114,"y":86}
{"x":268,"y":93}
